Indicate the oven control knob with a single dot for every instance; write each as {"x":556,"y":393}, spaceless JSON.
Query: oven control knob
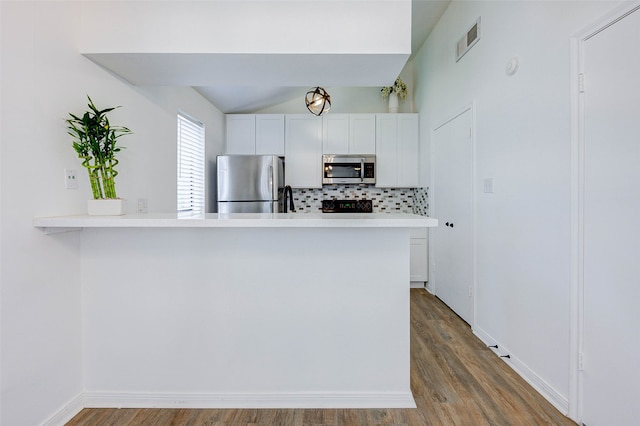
{"x":367,"y":206}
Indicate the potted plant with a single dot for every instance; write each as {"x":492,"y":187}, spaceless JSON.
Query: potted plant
{"x":95,"y":141}
{"x":399,"y":89}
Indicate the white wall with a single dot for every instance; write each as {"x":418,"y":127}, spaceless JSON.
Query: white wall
{"x":43,"y":78}
{"x":523,"y":137}
{"x":344,"y":100}
{"x":1,"y":209}
{"x":248,"y":26}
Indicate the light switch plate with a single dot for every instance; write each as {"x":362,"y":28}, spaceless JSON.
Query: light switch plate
{"x":143,"y":206}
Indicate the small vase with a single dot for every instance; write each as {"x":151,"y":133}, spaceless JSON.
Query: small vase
{"x":393,"y":102}
{"x":107,"y":207}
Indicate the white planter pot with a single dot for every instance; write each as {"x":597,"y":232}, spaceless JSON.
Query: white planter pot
{"x":107,"y":207}
{"x":393,"y":102}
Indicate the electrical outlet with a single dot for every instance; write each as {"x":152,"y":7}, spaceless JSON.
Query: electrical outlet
{"x":143,"y":206}
{"x":70,"y":179}
{"x":488,"y":186}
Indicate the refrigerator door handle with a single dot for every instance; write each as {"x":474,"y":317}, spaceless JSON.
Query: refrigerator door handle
{"x":271,"y":179}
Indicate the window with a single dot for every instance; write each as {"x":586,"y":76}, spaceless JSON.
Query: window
{"x":190,"y":165}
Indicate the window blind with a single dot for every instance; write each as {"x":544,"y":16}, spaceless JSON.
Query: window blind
{"x":190,"y":165}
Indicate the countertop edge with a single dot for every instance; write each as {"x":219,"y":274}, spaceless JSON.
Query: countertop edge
{"x":238,"y":220}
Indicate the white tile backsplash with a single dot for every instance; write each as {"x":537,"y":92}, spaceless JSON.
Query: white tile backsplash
{"x":385,"y":200}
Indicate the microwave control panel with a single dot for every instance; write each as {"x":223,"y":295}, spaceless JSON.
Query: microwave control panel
{"x":369,"y":171}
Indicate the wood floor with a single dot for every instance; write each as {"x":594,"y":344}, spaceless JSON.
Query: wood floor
{"x":455,"y":380}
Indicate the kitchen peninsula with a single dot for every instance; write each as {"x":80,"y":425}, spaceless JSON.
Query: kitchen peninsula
{"x":245,"y":310}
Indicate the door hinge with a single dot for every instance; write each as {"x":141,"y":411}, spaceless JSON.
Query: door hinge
{"x":470,"y":291}
{"x":581,"y":82}
{"x":580,"y":361}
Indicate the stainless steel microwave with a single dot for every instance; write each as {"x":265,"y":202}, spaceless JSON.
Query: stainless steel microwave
{"x":348,"y":169}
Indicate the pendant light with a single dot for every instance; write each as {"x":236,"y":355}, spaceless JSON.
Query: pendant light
{"x":318,"y":101}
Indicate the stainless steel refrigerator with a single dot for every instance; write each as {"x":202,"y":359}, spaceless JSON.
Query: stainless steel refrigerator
{"x":249,"y":183}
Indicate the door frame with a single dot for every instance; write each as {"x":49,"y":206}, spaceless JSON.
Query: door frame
{"x":433,"y":273}
{"x":576,"y":330}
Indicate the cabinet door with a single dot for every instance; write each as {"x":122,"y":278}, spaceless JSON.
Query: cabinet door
{"x":335,"y":134}
{"x":362,"y":133}
{"x":397,"y":150}
{"x":419,"y":266}
{"x":408,"y":151}
{"x":269,"y":134}
{"x":241,"y":134}
{"x":386,"y":150}
{"x":303,"y":151}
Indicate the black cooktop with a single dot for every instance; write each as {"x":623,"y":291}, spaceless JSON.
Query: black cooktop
{"x":347,"y":206}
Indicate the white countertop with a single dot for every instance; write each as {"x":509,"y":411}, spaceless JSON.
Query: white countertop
{"x":237,"y":220}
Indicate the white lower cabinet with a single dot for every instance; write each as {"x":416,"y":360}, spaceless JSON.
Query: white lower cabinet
{"x":419,"y":254}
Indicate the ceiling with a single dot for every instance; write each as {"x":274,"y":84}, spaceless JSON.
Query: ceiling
{"x":251,"y":82}
{"x":242,"y":99}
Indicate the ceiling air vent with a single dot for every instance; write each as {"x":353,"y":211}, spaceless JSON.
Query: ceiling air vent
{"x":468,"y":40}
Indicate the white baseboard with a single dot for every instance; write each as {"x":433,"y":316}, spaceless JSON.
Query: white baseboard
{"x":67,"y":412}
{"x":242,"y":400}
{"x":231,"y":400}
{"x":543,"y":388}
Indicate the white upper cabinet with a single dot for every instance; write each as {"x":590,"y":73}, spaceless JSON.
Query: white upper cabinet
{"x":362,"y":133}
{"x":335,"y":134}
{"x":303,"y":151}
{"x":270,"y":134}
{"x":255,"y":134}
{"x":241,"y":134}
{"x":397,"y":150}
{"x":408,"y":151}
{"x":349,"y":134}
{"x":303,"y":138}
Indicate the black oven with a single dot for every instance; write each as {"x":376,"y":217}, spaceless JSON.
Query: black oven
{"x":347,"y":206}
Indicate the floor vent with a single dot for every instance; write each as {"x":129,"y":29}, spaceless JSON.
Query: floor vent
{"x":468,"y":40}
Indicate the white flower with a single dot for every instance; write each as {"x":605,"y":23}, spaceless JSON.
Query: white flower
{"x":399,"y":87}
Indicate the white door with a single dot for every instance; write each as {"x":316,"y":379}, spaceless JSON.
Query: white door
{"x":452,"y":192}
{"x":611,"y":280}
